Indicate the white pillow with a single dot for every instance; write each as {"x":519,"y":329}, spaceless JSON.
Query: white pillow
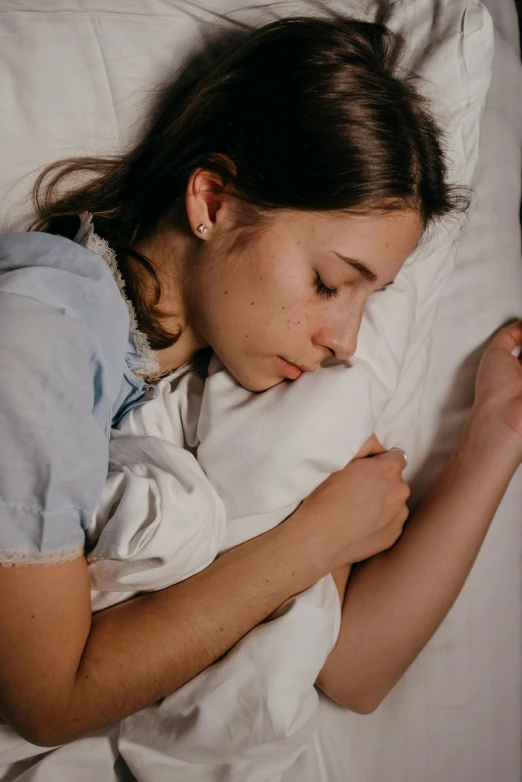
{"x":77,"y":77}
{"x":283,"y":443}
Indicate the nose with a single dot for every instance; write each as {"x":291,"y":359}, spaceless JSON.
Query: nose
{"x":343,"y":349}
{"x":341,"y":339}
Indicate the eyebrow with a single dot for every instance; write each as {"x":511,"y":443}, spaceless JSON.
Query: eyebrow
{"x":363,"y":270}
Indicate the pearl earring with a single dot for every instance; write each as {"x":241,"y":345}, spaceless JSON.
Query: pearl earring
{"x":202,"y":228}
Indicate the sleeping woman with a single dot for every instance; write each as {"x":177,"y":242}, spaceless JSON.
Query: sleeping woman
{"x":299,"y":173}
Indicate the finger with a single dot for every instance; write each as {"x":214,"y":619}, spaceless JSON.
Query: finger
{"x":394,"y":532}
{"x":509,"y":337}
{"x":371,"y":447}
{"x":403,"y":453}
{"x":397,"y":454}
{"x":402,"y":517}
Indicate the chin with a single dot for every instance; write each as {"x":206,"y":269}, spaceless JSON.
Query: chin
{"x":252,"y":373}
{"x":260,"y":386}
{"x":256,"y":385}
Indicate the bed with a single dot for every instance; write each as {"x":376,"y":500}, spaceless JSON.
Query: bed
{"x":456,"y":714}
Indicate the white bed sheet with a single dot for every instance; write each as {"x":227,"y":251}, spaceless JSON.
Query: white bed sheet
{"x":456,"y":714}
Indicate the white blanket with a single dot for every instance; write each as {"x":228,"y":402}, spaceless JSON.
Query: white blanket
{"x":165,"y":515}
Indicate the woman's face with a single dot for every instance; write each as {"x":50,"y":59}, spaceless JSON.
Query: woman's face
{"x":296,"y":292}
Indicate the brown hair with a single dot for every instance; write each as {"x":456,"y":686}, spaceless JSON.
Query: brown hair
{"x":312,"y":115}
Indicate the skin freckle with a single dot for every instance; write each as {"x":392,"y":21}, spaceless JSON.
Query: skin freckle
{"x":283,"y":308}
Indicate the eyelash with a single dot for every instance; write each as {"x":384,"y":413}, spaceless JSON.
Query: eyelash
{"x":329,"y":293}
{"x":322,"y":290}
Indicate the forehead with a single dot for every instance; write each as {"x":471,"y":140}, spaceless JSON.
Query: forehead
{"x":386,"y":236}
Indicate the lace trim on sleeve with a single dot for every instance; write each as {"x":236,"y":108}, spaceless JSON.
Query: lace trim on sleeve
{"x":65,"y":554}
{"x":101,"y":247}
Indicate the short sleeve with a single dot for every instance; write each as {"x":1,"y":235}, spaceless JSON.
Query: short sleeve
{"x":61,"y":364}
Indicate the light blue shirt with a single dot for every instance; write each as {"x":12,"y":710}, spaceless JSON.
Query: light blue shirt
{"x":67,"y":373}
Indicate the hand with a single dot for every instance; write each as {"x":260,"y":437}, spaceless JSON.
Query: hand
{"x":358,"y":511}
{"x":498,"y":390}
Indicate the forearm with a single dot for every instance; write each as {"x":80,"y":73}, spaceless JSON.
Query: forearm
{"x":142,"y":650}
{"x":396,"y":600}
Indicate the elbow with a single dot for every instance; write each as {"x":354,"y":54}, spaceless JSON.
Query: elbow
{"x":363,"y":706}
{"x":359,"y":703}
{"x":39,"y":734}
{"x":40,"y":730}
{"x":359,"y":699}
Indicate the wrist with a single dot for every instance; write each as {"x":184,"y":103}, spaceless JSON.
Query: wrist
{"x":301,"y":535}
{"x":487,"y":436}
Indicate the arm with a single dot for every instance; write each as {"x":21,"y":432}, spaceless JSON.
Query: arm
{"x":396,"y":600}
{"x":88,"y":672}
{"x":340,"y":576}
{"x":63,"y":673}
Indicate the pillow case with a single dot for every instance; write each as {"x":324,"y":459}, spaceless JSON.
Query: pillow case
{"x":77,"y":77}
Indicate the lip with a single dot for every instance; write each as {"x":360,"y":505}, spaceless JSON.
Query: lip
{"x":293,"y":371}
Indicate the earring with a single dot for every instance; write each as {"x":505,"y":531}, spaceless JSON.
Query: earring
{"x":202,"y":228}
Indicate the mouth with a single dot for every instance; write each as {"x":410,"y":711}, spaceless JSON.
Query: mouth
{"x":293,"y":371}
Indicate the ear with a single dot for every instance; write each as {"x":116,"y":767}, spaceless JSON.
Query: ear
{"x":205,"y":197}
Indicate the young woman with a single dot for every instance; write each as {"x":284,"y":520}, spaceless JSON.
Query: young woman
{"x":263,"y":206}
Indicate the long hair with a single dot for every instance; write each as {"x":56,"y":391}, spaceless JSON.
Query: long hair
{"x":305,"y":113}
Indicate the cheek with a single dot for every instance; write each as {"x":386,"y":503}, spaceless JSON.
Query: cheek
{"x":236,"y":308}
{"x":259,"y":297}
{"x":291,"y":308}
{"x":272,"y":296}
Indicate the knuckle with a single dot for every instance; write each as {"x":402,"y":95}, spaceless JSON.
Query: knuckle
{"x":393,"y":537}
{"x":393,"y":462}
{"x":395,"y":465}
{"x":398,"y":532}
{"x":391,"y":468}
{"x":398,"y":463}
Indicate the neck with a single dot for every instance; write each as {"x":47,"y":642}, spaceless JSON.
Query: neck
{"x":168,"y":253}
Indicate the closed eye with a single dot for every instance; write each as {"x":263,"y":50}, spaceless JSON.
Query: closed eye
{"x":323,"y":290}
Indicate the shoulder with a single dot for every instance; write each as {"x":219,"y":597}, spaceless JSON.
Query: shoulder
{"x":67,"y":277}
{"x":57,"y":271}
{"x":41,"y":250}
